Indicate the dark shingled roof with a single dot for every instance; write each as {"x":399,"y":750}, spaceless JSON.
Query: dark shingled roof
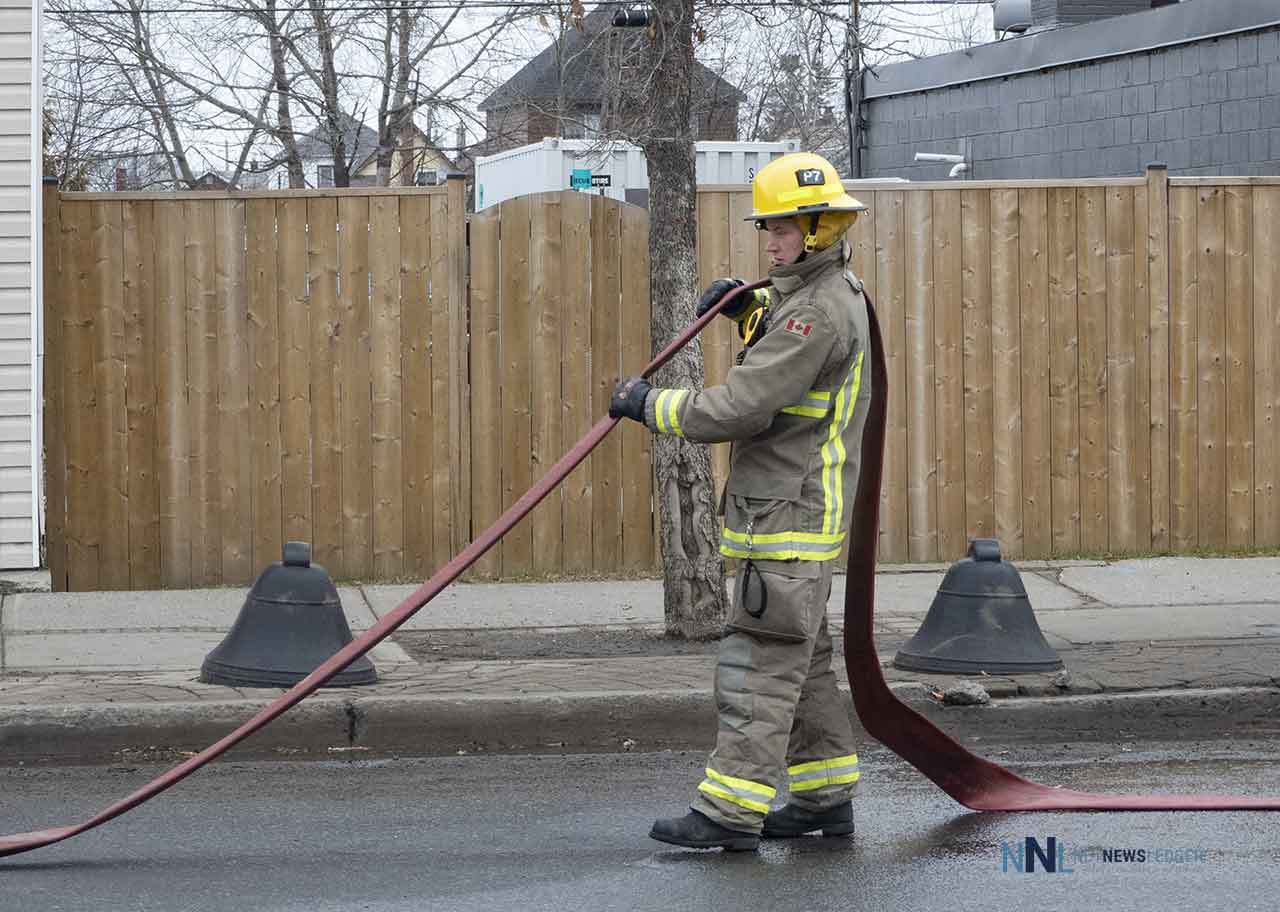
{"x":585,"y":52}
{"x":359,"y":141}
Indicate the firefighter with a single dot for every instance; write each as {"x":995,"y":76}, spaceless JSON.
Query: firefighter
{"x":794,"y":407}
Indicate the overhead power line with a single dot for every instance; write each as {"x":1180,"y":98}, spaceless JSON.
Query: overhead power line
{"x":531,"y":5}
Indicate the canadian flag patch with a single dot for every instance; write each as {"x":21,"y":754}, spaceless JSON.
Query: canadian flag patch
{"x":800,"y":329}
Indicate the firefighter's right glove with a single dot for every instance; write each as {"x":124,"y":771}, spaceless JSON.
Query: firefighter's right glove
{"x":628,"y":398}
{"x":735,"y":309}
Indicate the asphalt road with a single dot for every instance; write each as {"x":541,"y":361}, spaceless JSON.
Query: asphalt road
{"x":569,"y":833}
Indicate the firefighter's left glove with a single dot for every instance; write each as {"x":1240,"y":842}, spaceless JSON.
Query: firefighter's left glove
{"x":628,"y":398}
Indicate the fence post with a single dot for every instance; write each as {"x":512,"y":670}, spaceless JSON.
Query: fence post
{"x":54,"y":457}
{"x":1158,"y":260}
{"x":459,"y":385}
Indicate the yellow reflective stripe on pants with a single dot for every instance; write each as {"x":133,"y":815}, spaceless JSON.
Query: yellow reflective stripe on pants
{"x":781,"y":545}
{"x":820,"y":773}
{"x":743,"y":792}
{"x":833,"y":452}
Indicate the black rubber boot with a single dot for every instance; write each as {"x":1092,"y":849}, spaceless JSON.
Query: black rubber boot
{"x":696,"y":831}
{"x":793,"y":820}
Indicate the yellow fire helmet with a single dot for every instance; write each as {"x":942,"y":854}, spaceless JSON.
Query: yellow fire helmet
{"x":803,"y":184}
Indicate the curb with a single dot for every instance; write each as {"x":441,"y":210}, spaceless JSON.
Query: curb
{"x":585,"y":722}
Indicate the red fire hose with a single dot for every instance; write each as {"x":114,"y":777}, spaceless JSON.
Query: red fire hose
{"x":970,"y":780}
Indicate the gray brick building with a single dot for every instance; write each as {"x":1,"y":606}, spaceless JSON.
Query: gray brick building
{"x":1195,"y":85}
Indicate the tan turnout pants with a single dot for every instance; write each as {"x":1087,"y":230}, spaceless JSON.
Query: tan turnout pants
{"x":779,"y":707}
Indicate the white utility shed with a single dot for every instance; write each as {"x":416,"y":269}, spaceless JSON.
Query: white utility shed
{"x":20,"y":111}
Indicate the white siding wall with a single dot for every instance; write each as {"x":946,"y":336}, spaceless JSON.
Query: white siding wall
{"x":18,"y":519}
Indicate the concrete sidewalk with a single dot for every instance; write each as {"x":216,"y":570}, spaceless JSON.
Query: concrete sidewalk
{"x":1151,"y":648}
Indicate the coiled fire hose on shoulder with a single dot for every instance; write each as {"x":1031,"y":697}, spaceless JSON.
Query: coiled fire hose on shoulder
{"x":970,"y":780}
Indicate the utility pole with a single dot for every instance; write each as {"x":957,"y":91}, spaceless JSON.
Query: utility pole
{"x":853,"y":89}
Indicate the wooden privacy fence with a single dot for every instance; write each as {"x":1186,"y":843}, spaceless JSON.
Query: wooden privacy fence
{"x":228,"y":371}
{"x":1079,"y":366}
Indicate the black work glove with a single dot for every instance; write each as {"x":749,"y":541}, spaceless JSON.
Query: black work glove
{"x":717,"y":290}
{"x":628,"y":397}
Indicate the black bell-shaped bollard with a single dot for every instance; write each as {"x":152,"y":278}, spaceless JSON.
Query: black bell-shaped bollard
{"x":291,"y":621}
{"x":980,"y":620}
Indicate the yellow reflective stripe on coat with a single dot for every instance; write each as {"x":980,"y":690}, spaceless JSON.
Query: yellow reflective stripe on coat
{"x":754,"y":796}
{"x":833,"y":452}
{"x":820,"y":773}
{"x":666,"y":411}
{"x":815,"y":404}
{"x":660,"y":410}
{"x":673,"y":410}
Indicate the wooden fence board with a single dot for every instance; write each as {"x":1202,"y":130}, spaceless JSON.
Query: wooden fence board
{"x":637,"y":442}
{"x":1211,"y":398}
{"x":354,"y":382}
{"x":417,"y":421}
{"x":918,"y":351}
{"x":1091,"y":264}
{"x":1007,"y":370}
{"x":578,"y":407}
{"x":1157,"y":247}
{"x":235,"y":454}
{"x":606,"y":462}
{"x":296,"y":332}
{"x":138,"y":230}
{"x":1142,"y":368}
{"x":545,"y":264}
{"x":486,"y":404}
{"x":326,"y":390}
{"x":448,"y":449}
{"x":1239,"y":366}
{"x":83,"y":448}
{"x":1064,"y":373}
{"x":173,"y":435}
{"x":55,"y":305}
{"x":1184,"y":460}
{"x":386,"y":384}
{"x":1266,"y":372}
{"x":515,"y":328}
{"x":109,"y":379}
{"x":265,"y":382}
{"x":948,"y":323}
{"x":455,"y":282}
{"x":891,"y":301}
{"x":202,"y":384}
{"x":1122,"y":381}
{"x":714,"y":262}
{"x":979,"y":431}
{"x":1033,"y":238}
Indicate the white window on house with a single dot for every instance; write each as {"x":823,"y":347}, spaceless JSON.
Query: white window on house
{"x":324,"y":176}
{"x":590,"y":126}
{"x":427,"y":177}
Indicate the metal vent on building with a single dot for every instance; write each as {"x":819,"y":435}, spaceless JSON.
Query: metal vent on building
{"x":1012,"y":15}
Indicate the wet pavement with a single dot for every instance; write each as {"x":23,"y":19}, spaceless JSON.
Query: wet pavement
{"x":554,"y":833}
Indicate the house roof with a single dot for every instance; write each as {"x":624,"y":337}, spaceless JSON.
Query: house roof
{"x":1168,"y":25}
{"x":359,"y":141}
{"x":419,"y":135}
{"x":584,"y":51}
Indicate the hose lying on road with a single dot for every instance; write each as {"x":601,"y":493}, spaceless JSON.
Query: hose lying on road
{"x":970,"y":780}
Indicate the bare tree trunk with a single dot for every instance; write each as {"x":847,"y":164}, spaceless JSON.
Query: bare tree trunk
{"x":284,"y":113}
{"x":329,"y":90}
{"x":693,"y":571}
